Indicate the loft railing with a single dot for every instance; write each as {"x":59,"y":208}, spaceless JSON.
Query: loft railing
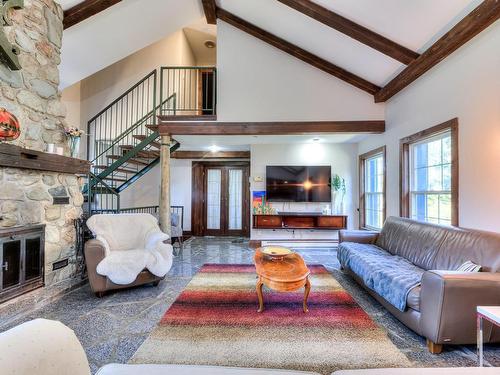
{"x":196,"y":89}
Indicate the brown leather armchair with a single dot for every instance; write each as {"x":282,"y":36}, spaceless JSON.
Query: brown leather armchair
{"x":94,"y":254}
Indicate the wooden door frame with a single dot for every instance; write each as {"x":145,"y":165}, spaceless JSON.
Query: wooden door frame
{"x":198,"y":204}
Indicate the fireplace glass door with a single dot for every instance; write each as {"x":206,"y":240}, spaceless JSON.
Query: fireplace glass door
{"x":11,"y":264}
{"x":21,"y":260}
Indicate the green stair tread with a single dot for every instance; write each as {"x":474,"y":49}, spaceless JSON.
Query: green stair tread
{"x":130,"y":161}
{"x":123,"y":170}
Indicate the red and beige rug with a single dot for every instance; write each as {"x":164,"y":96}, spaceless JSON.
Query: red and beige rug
{"x":214,"y":321}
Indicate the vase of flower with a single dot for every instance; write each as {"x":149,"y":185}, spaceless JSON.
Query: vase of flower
{"x":74,"y":135}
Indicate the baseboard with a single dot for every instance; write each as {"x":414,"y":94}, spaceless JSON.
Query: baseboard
{"x":302,"y":243}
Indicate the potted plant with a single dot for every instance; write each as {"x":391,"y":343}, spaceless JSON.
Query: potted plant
{"x":73,"y":135}
{"x":339,"y":190}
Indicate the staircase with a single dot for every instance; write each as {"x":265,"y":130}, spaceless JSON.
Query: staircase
{"x":123,"y":145}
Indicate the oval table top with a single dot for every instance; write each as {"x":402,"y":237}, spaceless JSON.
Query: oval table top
{"x":288,"y":269}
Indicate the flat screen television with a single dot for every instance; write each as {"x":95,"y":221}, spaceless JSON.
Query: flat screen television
{"x":298,"y":183}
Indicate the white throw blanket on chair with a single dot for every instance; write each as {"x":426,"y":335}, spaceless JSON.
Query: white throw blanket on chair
{"x":132,"y":242}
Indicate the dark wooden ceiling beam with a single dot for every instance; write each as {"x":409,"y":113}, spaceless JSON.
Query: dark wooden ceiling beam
{"x":210,"y":155}
{"x":84,"y":10}
{"x":267,"y":128}
{"x":210,"y":9}
{"x":297,"y":52}
{"x":475,"y":22}
{"x":353,"y":30}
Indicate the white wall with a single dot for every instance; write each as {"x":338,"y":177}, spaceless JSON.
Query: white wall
{"x":465,"y":85}
{"x":103,"y":87}
{"x":71,"y":98}
{"x":341,"y":157}
{"x":146,"y":191}
{"x":257,"y":82}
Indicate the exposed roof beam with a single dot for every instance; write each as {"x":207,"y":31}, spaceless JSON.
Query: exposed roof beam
{"x":475,"y":22}
{"x":267,"y":128}
{"x":210,"y":155}
{"x":84,"y":10}
{"x":210,"y":9}
{"x":297,"y":52}
{"x":352,"y":29}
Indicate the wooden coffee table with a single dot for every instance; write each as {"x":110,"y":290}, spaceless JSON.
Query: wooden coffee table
{"x":284,"y":275}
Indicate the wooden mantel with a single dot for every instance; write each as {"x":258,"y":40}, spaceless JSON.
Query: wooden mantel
{"x":12,"y":156}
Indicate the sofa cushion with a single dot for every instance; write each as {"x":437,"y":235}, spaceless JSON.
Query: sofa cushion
{"x":461,"y":245}
{"x":391,"y":276}
{"x":116,"y":369}
{"x":411,"y":240}
{"x":413,"y":299}
{"x":438,"y":247}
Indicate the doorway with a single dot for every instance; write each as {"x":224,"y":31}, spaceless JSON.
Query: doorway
{"x":206,"y":92}
{"x":221,"y":199}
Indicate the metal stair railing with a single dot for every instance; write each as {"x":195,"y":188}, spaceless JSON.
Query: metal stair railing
{"x":125,"y":111}
{"x":98,"y":196}
{"x":123,"y":169}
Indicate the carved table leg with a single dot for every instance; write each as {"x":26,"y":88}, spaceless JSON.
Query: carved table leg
{"x":259,"y":294}
{"x":307,"y":289}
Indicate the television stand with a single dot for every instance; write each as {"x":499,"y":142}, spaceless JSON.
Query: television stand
{"x":300,"y":220}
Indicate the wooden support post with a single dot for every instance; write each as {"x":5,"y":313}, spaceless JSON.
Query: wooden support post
{"x":165,"y":223}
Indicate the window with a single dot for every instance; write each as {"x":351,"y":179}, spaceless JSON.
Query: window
{"x":372,"y":189}
{"x":430,"y":175}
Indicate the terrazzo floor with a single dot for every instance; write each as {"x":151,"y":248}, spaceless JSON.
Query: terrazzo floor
{"x":112,"y":328}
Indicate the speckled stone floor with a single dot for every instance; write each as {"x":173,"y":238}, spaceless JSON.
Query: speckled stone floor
{"x":112,"y":328}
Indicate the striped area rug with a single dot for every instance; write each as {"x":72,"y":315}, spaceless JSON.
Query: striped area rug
{"x":215,"y":321}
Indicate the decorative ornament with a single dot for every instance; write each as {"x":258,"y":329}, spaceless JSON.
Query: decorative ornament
{"x":8,"y":52}
{"x":9,"y":126}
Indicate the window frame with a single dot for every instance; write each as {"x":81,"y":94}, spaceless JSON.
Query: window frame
{"x":406,"y":168}
{"x":362,"y":201}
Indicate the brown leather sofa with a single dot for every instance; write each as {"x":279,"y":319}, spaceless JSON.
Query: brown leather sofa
{"x":443,"y":307}
{"x":94,"y":254}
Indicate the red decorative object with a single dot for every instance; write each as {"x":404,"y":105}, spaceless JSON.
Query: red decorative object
{"x":9,"y":126}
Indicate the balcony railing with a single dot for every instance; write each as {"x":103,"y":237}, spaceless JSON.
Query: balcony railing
{"x":195,"y":89}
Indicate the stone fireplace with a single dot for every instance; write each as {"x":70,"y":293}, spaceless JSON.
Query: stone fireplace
{"x":35,"y":195}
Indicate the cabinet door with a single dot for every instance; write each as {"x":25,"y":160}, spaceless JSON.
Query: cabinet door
{"x":10,"y":263}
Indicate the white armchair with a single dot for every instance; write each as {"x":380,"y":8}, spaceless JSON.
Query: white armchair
{"x":125,"y":246}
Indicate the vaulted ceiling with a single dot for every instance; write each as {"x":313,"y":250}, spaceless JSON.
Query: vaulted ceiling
{"x":118,"y":31}
{"x":376,"y":45}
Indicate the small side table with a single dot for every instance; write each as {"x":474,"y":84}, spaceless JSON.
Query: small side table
{"x":491,"y":314}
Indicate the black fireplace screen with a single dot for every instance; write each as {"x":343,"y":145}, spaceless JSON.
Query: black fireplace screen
{"x":21,"y":260}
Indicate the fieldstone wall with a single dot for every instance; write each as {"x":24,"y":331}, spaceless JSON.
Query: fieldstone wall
{"x":26,"y":196}
{"x":32,"y":93}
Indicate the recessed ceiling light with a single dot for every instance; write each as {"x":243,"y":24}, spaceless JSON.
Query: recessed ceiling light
{"x":214,"y":148}
{"x":209,"y":44}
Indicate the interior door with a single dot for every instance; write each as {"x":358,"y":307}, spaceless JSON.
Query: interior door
{"x":226,"y":200}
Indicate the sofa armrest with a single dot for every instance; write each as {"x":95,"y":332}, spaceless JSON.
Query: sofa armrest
{"x":359,"y":236}
{"x":95,"y":252}
{"x":448,"y":302}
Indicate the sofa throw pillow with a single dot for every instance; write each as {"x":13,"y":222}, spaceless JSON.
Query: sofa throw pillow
{"x":469,"y":267}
